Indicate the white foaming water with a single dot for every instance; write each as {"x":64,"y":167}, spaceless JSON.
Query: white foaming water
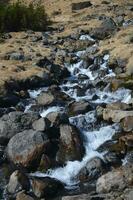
{"x":93,"y":140}
{"x":50,"y":110}
{"x":78,"y":69}
{"x":80,"y":53}
{"x":86,"y":37}
{"x":27,"y":108}
{"x":34,"y":93}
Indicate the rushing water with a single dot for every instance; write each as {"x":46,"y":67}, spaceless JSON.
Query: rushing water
{"x":95,"y":137}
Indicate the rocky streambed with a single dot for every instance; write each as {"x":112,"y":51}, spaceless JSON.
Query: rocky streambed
{"x":71,"y":135}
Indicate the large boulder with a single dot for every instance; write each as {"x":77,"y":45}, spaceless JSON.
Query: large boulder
{"x":111,"y":180}
{"x":70,"y":144}
{"x":56,"y":118}
{"x":18,"y":181}
{"x":46,"y":187}
{"x":115,"y":180}
{"x":58,"y":72}
{"x":15,"y":122}
{"x":92,"y":170}
{"x":26,"y":148}
{"x":106,"y":28}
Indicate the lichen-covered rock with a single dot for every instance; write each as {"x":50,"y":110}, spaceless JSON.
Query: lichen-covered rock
{"x":26,"y":148}
{"x":15,"y":122}
{"x":110,"y":181}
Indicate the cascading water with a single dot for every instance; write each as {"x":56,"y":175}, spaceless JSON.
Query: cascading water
{"x":97,"y":136}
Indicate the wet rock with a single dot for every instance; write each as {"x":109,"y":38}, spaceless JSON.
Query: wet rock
{"x":57,"y":118}
{"x":107,"y":27}
{"x":70,"y":144}
{"x":46,"y":187}
{"x":9,"y":100}
{"x":41,"y":124}
{"x":127,"y":123}
{"x":112,"y":159}
{"x":116,"y":115}
{"x":18,"y":181}
{"x":113,"y":180}
{"x":45,"y":98}
{"x":81,"y":5}
{"x":26,"y":148}
{"x":126,"y":142}
{"x":80,"y":107}
{"x":92,"y":170}
{"x":15,"y":122}
{"x":23,"y":196}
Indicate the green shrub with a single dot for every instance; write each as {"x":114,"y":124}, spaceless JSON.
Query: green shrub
{"x":18,"y":17}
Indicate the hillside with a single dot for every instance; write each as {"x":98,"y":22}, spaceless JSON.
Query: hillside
{"x":66,"y":102}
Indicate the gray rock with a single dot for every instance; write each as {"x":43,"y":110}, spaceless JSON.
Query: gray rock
{"x":26,"y":148}
{"x":17,"y":56}
{"x":80,"y":107}
{"x":127,"y":123}
{"x":106,"y":28}
{"x":92,"y":170}
{"x":70,"y":144}
{"x":110,"y":181}
{"x":81,"y":5}
{"x":57,"y":118}
{"x":45,"y":99}
{"x":15,"y":122}
{"x":41,"y":124}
